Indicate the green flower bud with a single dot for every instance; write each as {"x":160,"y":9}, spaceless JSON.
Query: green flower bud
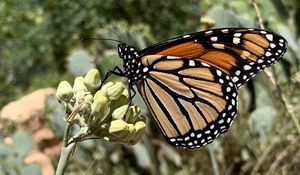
{"x":132,"y":114}
{"x":118,"y":127}
{"x":140,"y":127}
{"x":79,"y":96}
{"x":125,"y":93}
{"x":106,"y":86}
{"x":100,"y":94}
{"x":131,"y":133}
{"x":79,"y":85}
{"x":64,"y":91}
{"x":88,"y":98}
{"x":119,"y":113}
{"x":92,"y":80}
{"x":115,"y":91}
{"x":122,"y":100}
{"x":100,"y":106}
{"x":131,"y":128}
{"x":141,"y":118}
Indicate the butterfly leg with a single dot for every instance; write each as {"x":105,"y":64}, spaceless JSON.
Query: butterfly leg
{"x":130,"y":96}
{"x":116,"y":71}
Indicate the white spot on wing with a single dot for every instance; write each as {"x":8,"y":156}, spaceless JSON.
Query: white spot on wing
{"x":204,"y":64}
{"x":192,"y":63}
{"x":236,"y":40}
{"x":235,"y":79}
{"x":237,"y":34}
{"x":219,"y":73}
{"x":219,"y":46}
{"x":172,"y":57}
{"x":272,"y":45}
{"x":228,"y":89}
{"x":172,"y":140}
{"x":145,"y":69}
{"x":208,"y":32}
{"x":269,"y":37}
{"x":214,"y":38}
{"x":221,"y":121}
{"x":224,"y":30}
{"x":268,"y":54}
{"x":263,"y":32}
{"x":186,"y":36}
{"x":247,"y":67}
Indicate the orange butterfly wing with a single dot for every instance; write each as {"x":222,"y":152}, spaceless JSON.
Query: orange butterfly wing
{"x":190,"y":83}
{"x":241,"y":53}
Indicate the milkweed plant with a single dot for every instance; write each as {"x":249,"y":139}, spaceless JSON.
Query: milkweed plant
{"x":100,"y":111}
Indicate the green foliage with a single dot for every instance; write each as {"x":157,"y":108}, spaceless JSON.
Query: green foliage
{"x":12,"y":156}
{"x":79,"y":62}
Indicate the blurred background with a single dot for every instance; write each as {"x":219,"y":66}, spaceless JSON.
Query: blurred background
{"x":41,"y":46}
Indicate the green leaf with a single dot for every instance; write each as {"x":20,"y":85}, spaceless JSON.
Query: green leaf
{"x":261,"y":122}
{"x":22,"y":143}
{"x":142,"y":156}
{"x":31,"y":169}
{"x":5,"y":150}
{"x":223,"y":17}
{"x":79,"y":62}
{"x":55,"y":115}
{"x":262,"y":97}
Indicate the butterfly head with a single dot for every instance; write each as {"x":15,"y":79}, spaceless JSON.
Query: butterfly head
{"x":131,"y":62}
{"x":125,"y":50}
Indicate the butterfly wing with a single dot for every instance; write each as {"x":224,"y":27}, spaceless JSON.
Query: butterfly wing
{"x":240,"y":53}
{"x":187,"y":101}
{"x":192,"y":81}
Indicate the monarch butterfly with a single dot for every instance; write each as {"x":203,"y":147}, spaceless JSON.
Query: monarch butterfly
{"x":190,"y":83}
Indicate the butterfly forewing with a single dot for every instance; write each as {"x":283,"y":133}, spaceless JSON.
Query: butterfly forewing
{"x":241,"y":53}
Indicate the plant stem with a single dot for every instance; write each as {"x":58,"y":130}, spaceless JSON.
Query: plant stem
{"x":273,"y":79}
{"x":64,"y":158}
{"x":213,"y":160}
{"x":66,"y":151}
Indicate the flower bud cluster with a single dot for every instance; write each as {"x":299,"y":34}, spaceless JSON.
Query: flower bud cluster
{"x":104,"y":110}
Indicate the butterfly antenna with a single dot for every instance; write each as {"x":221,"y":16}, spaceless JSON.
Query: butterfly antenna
{"x":120,"y":38}
{"x":100,"y":39}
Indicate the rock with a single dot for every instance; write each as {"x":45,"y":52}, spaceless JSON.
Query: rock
{"x":29,"y":110}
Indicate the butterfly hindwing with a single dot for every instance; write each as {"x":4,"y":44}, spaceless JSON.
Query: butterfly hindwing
{"x":187,"y":100}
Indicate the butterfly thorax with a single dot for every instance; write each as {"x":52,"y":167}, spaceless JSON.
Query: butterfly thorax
{"x":133,"y":68}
